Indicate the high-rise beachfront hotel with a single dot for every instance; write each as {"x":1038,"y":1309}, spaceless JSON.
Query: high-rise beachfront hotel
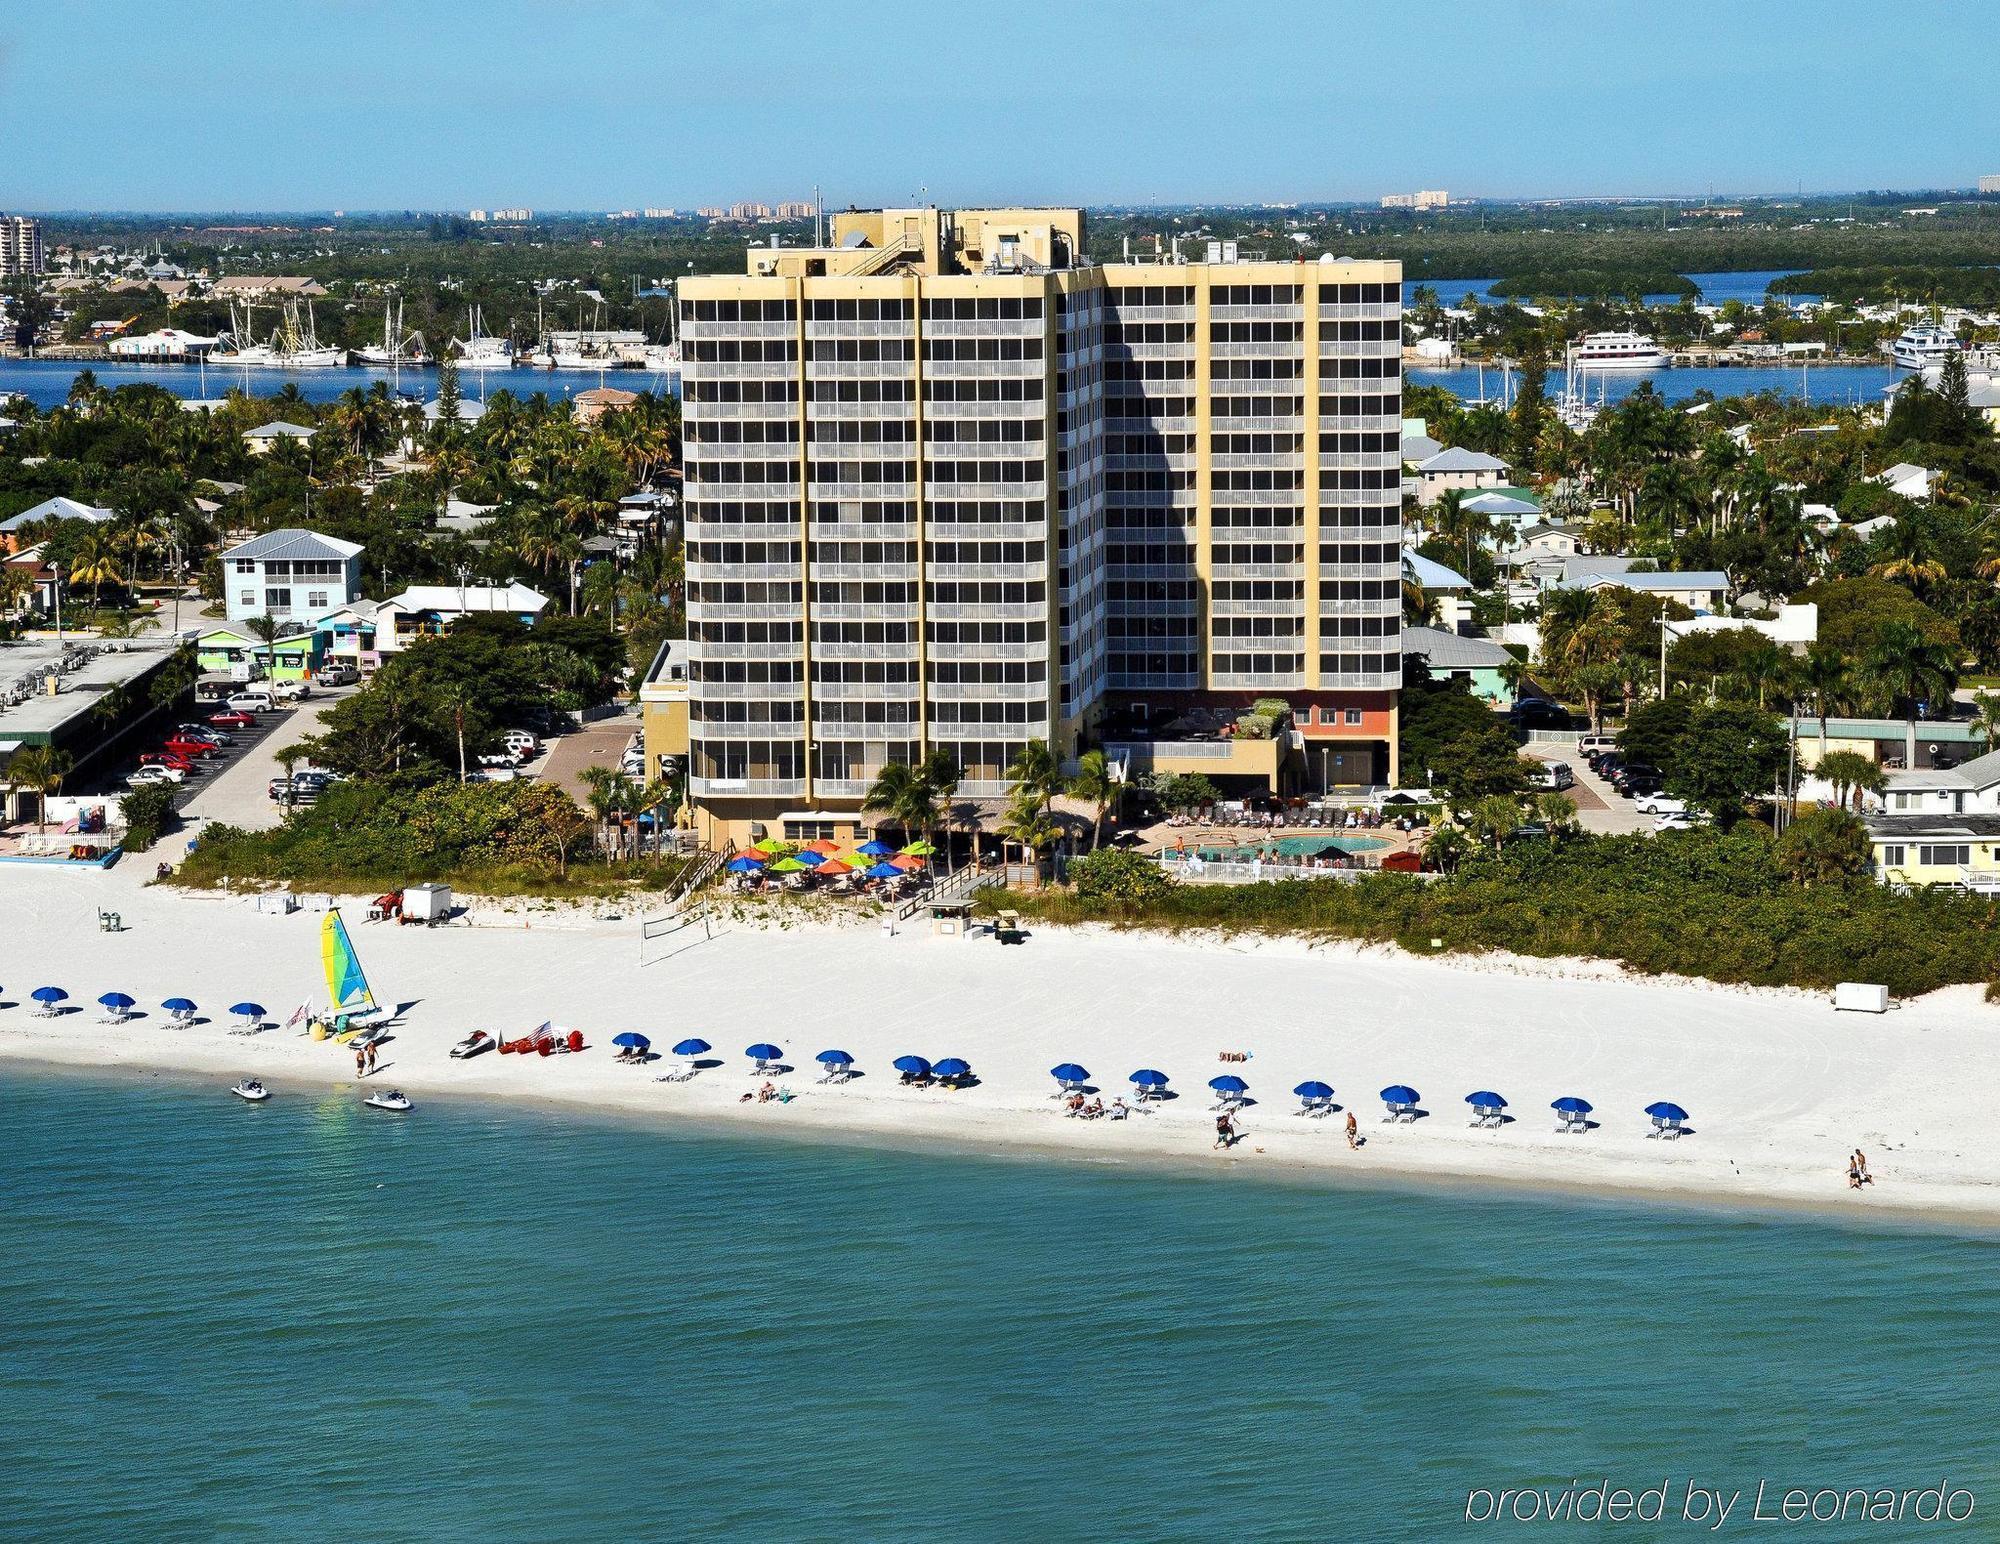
{"x":949,"y":485}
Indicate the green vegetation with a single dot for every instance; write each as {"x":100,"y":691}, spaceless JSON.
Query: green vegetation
{"x":148,"y":813}
{"x":487,"y":838}
{"x":1730,"y":906}
{"x":1566,"y":283}
{"x":1930,"y":284}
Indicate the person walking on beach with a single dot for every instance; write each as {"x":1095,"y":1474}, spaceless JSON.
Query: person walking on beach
{"x":371,"y":1056}
{"x":1861,"y":1166}
{"x":360,"y":1062}
{"x":1225,"y":1131}
{"x":1853,"y":1172}
{"x":1353,"y":1131}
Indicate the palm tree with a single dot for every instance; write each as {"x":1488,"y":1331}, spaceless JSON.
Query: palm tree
{"x":17,"y":588}
{"x":1910,"y":554}
{"x":1445,"y":847}
{"x":612,"y":795}
{"x":1986,"y":717}
{"x":1095,"y":785}
{"x":460,"y":701}
{"x":902,"y":793}
{"x":1027,"y":823}
{"x":96,"y":563}
{"x":1764,"y":667}
{"x":1912,"y":670}
{"x":1850,"y":772}
{"x":1827,"y":678}
{"x":40,"y":769}
{"x":1035,"y":771}
{"x":265,"y":630}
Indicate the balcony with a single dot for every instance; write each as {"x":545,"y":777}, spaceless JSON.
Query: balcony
{"x":1235,"y":757}
{"x":746,"y":787}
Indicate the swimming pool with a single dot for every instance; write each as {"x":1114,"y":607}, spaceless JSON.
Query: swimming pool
{"x":1293,"y":846}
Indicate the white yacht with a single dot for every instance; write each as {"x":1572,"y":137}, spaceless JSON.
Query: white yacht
{"x":1922,"y":345}
{"x":1618,"y":351}
{"x":480,"y":352}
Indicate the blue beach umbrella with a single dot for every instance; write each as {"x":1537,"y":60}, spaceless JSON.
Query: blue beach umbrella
{"x":49,"y":994}
{"x":116,"y":1000}
{"x":179,"y":1005}
{"x":1400,"y":1093}
{"x":834,"y":1059}
{"x":632,"y":1039}
{"x":1146,"y":1077}
{"x":1229,"y":1083}
{"x":916,"y":1066}
{"x":745,"y":864}
{"x":1486,"y":1099}
{"x":884,"y":871}
{"x":1069,"y":1072}
{"x":1314,"y":1089}
{"x":877,"y":850}
{"x":763,"y":1051}
{"x":952,"y":1067}
{"x":248,"y":1010}
{"x":1569,"y":1104}
{"x":1666,"y":1111}
{"x":692,"y":1048}
{"x":810,"y":858}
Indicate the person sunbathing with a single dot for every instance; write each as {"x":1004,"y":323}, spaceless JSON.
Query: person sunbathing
{"x":1094,"y":1109}
{"x":767,"y":1093}
{"x":1076,"y":1104}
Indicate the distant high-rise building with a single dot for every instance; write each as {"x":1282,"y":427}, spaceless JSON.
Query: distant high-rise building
{"x":951,"y":487}
{"x":711,"y":212}
{"x":477,"y":216}
{"x":660,"y":214}
{"x":749,"y":211}
{"x":20,"y":246}
{"x":797,"y":209}
{"x":1989,"y":184}
{"x":513,"y":214}
{"x":1435,"y":198}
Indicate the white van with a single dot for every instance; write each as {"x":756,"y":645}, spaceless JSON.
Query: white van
{"x":252,"y":702}
{"x":1556,"y":775}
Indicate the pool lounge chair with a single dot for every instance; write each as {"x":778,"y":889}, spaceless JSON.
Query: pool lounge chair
{"x":1400,"y":1113}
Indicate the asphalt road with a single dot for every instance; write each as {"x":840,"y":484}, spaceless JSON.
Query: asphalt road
{"x":238,"y":791}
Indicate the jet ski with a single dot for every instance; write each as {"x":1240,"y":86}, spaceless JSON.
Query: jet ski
{"x":252,"y":1090}
{"x":390,"y":1100}
{"x":472,"y":1045}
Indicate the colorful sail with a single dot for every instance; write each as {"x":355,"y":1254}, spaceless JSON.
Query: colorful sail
{"x":346,"y":987}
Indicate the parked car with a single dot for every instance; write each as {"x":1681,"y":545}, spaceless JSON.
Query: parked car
{"x":187,"y":745}
{"x":291,"y":691}
{"x":1636,"y":779}
{"x":252,"y":702}
{"x":1592,"y":746}
{"x":203,"y":732}
{"x":152,"y":774}
{"x":493,"y":775}
{"x":1682,"y":820}
{"x":522,"y":743}
{"x":233,"y":718}
{"x":340,"y":675}
{"x":167,"y":759}
{"x":1658,"y":804}
{"x":1556,"y":776}
{"x":279,"y":788}
{"x":1539,"y":713}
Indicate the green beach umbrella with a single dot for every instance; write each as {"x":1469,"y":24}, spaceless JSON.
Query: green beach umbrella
{"x":919,"y":850}
{"x":772,"y":844}
{"x":789,"y":866}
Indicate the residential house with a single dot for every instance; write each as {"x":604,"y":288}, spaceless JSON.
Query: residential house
{"x":261,"y":286}
{"x":429,"y":610}
{"x":57,"y":508}
{"x":1457,"y":467}
{"x":1908,"y":479}
{"x":260,"y":439}
{"x":1941,"y":743}
{"x":1479,"y":661}
{"x":1794,"y":627}
{"x":1699,"y":590}
{"x":1961,"y":852}
{"x":290,"y":575}
{"x":589,"y":406}
{"x":1542,"y":541}
{"x":1451,"y":589}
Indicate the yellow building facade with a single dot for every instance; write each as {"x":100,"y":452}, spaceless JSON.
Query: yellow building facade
{"x":949,"y":487}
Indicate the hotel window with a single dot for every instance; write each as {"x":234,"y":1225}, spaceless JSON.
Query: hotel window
{"x":1892,"y":857}
{"x":247,"y":597}
{"x":316,"y":599}
{"x":1948,"y":855}
{"x":1354,"y":716}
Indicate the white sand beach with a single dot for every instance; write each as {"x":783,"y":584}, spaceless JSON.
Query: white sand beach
{"x":1778,"y":1086}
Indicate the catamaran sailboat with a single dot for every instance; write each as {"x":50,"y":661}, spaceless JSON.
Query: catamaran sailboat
{"x":347,"y":991}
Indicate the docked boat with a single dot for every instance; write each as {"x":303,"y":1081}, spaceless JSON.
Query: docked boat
{"x":390,"y":1100}
{"x":293,"y":346}
{"x":478,"y":351}
{"x":1618,"y":351}
{"x":251,"y":1090}
{"x":1915,"y":348}
{"x":398,"y":349}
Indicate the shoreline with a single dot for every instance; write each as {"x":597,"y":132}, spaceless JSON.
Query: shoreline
{"x":940,"y":1130}
{"x":1779,"y":1086}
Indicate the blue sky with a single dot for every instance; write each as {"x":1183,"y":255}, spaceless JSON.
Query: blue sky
{"x":591,"y":104}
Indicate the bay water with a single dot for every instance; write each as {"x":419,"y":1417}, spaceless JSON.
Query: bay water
{"x":308,"y":1318}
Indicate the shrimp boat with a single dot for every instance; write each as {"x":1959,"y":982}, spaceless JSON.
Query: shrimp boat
{"x":480,"y":352}
{"x":398,"y":349}
{"x":294,"y":345}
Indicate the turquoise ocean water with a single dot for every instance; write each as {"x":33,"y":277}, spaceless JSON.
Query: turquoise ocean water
{"x":310,"y":1320}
